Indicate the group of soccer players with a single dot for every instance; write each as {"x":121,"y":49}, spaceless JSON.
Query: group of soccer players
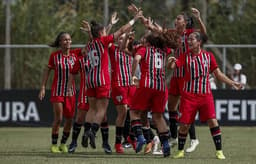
{"x":147,"y":93}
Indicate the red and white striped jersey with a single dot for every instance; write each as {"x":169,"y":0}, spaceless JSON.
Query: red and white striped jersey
{"x":179,"y":71}
{"x":152,"y":68}
{"x":197,"y":70}
{"x":97,"y":67}
{"x":121,"y":67}
{"x":80,"y":67}
{"x":62,"y":66}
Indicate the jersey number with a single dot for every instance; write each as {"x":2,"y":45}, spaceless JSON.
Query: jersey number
{"x":158,"y":60}
{"x":94,"y":58}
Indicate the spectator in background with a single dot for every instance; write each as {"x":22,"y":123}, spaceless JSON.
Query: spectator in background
{"x":238,"y":76}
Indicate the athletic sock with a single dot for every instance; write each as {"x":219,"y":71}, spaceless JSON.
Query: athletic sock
{"x":216,"y":135}
{"x":136,"y":127}
{"x":119,"y":132}
{"x":192,"y":132}
{"x":64,"y":138}
{"x":104,"y":132}
{"x":76,"y":131}
{"x":173,"y":117}
{"x":55,"y":138}
{"x":182,"y":141}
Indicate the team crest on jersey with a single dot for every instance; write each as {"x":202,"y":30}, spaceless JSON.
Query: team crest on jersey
{"x":119,"y":98}
{"x":71,"y":61}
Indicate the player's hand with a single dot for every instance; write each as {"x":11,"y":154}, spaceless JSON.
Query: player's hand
{"x":171,"y":62}
{"x":85,"y":27}
{"x":132,"y":8}
{"x":41,"y":93}
{"x":237,"y":85}
{"x":135,"y":81}
{"x":195,"y":13}
{"x":114,"y":18}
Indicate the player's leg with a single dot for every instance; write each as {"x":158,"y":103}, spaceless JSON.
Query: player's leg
{"x":104,"y":128}
{"x":193,"y":140}
{"x":173,"y":101}
{"x":58,"y":110}
{"x":120,"y":121}
{"x":216,"y":135}
{"x":80,"y":118}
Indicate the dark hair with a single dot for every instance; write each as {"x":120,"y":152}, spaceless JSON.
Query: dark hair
{"x":189,"y":20}
{"x":96,"y":28}
{"x":156,"y":40}
{"x":56,"y":43}
{"x":170,"y":38}
{"x":201,"y":37}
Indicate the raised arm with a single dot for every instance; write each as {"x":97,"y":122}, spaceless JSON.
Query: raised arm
{"x":86,"y":28}
{"x":196,"y":14}
{"x":127,"y":26}
{"x":135,"y":63}
{"x":114,"y":20}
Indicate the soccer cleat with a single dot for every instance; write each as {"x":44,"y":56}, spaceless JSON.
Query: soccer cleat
{"x":220,"y":155}
{"x":157,"y":152}
{"x":107,"y":148}
{"x":55,"y":149}
{"x":173,"y":142}
{"x":126,"y":145}
{"x":85,"y":139}
{"x":63,"y":148}
{"x":132,"y":142}
{"x":140,"y":142}
{"x":166,"y":148}
{"x":148,"y":148}
{"x":119,"y":148}
{"x":179,"y":154}
{"x":72,"y":147}
{"x":193,"y":145}
{"x":92,"y":139}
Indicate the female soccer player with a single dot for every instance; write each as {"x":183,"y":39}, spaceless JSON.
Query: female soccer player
{"x":197,"y":95}
{"x":121,"y":83}
{"x":98,"y":79}
{"x":151,"y":94}
{"x":61,"y":61}
{"x":83,"y":105}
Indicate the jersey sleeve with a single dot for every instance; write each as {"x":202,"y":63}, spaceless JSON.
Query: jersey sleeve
{"x":51,"y":63}
{"x":213,"y":64}
{"x":107,"y":39}
{"x":141,"y":51}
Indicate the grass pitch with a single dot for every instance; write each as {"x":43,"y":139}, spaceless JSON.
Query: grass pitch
{"x":32,"y":146}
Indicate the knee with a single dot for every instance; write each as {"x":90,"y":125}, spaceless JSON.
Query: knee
{"x":184,"y":129}
{"x":57,"y":121}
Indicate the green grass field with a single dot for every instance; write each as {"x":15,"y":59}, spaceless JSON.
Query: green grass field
{"x":31,"y":145}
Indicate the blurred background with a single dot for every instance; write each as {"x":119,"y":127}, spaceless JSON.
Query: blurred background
{"x":29,"y":25}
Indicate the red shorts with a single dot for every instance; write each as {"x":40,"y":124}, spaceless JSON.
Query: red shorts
{"x":176,"y":86}
{"x":83,"y":105}
{"x":69,"y":103}
{"x":191,"y":103}
{"x":99,"y":92}
{"x":121,"y":95}
{"x":149,"y":99}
